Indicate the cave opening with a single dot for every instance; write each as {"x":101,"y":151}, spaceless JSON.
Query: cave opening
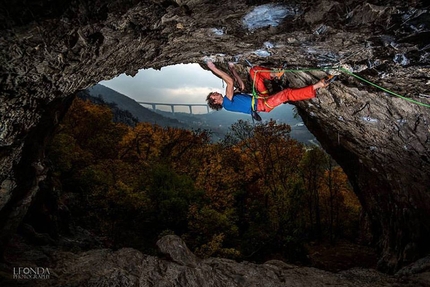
{"x":116,"y":186}
{"x":378,"y":143}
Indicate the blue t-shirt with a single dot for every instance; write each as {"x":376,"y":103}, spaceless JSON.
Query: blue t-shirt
{"x":241,"y":103}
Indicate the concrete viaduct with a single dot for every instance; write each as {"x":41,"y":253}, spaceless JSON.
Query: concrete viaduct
{"x":172,"y":106}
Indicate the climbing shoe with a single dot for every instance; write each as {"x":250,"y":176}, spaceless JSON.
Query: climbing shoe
{"x":281,"y":71}
{"x":279,"y":74}
{"x":327,"y":80}
{"x":255,"y":116}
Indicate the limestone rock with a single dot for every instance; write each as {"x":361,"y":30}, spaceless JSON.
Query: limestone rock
{"x":177,"y":250}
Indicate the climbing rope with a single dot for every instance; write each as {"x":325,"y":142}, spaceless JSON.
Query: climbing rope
{"x":385,"y":90}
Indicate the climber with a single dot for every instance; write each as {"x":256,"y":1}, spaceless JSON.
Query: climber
{"x":237,"y":101}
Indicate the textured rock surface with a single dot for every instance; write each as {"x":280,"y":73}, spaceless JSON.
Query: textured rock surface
{"x":129,"y":267}
{"x":51,"y":49}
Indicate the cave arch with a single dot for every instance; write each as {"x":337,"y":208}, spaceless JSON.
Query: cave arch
{"x":51,"y":53}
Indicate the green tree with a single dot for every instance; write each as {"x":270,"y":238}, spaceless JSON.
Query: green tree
{"x":313,"y":166}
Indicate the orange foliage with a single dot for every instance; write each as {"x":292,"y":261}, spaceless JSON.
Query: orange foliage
{"x":226,"y":198}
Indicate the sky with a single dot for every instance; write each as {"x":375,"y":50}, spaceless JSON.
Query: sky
{"x":183,"y":83}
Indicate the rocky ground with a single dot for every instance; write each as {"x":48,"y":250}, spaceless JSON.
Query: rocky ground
{"x":177,"y":266}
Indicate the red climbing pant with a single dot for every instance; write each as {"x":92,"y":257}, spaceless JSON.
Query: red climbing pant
{"x":258,"y":75}
{"x":266,"y":104}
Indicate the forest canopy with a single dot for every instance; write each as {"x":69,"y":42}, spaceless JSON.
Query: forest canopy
{"x":256,"y":195}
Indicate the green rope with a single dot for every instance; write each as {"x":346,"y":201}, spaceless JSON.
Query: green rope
{"x":385,"y":90}
{"x":255,"y":95}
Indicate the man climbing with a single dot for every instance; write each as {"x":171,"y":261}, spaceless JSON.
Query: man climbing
{"x":242,"y":102}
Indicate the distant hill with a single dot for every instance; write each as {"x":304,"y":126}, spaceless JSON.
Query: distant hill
{"x":119,"y":115}
{"x":127,"y":104}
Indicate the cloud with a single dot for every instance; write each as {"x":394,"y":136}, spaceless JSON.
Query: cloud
{"x":187,"y":94}
{"x":184,"y":83}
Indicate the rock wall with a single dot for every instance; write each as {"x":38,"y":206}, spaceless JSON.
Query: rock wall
{"x":49,"y":50}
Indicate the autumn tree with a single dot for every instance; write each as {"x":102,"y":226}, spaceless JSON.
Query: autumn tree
{"x":270,"y":158}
